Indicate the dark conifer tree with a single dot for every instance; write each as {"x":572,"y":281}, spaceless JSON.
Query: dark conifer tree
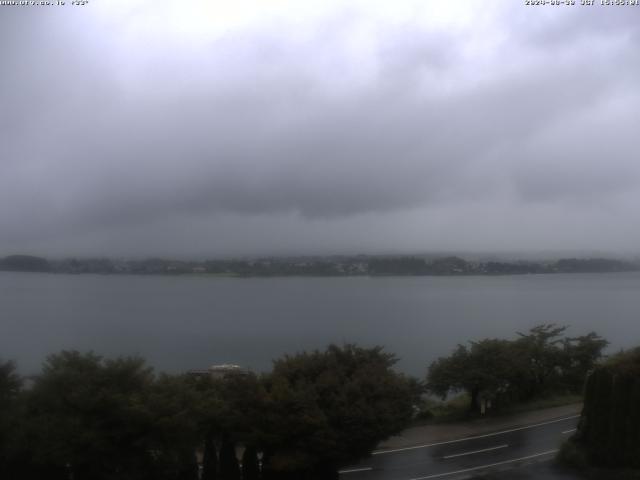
{"x":250,"y":464}
{"x":229,"y":467}
{"x":209,"y":460}
{"x":188,"y":466}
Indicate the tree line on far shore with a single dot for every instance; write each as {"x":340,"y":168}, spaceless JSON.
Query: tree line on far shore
{"x":90,"y":418}
{"x":321,"y":266}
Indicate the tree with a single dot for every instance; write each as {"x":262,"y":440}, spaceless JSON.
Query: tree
{"x":538,"y":362}
{"x":229,"y":410}
{"x":485,"y":370}
{"x":542,"y":347}
{"x":332,"y":407}
{"x":87,"y":415}
{"x":10,"y":383}
{"x":94,"y":418}
{"x":250,"y":468}
{"x":10,"y":389}
{"x":174,"y":434}
{"x":609,"y":428}
{"x":581,"y":356}
{"x":229,"y":467}
{"x":209,"y":459}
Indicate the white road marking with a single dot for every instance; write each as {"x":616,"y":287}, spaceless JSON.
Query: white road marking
{"x":569,"y":431}
{"x":438,"y":475}
{"x":475,"y":437}
{"x":354,"y":470}
{"x":475,"y":451}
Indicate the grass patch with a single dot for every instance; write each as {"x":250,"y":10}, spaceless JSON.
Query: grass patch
{"x":541,"y":403}
{"x":572,"y":455}
{"x":456,"y":409}
{"x":437,"y":411}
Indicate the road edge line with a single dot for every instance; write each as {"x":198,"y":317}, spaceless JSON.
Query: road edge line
{"x":482,"y":467}
{"x":474,"y":437}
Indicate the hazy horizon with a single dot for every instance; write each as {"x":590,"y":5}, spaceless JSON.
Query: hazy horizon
{"x":514,"y":255}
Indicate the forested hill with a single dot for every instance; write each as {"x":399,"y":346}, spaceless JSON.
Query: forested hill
{"x":360,"y":265}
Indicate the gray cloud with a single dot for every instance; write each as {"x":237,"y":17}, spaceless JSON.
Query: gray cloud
{"x":114,"y":139}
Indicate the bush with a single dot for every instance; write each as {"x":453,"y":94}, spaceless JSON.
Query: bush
{"x":572,"y":454}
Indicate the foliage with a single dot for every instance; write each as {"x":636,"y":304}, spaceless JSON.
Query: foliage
{"x":581,"y":354}
{"x":332,"y":407}
{"x":482,"y":370}
{"x":504,"y":372}
{"x":250,"y":466}
{"x":10,"y":384}
{"x":209,"y":459}
{"x":88,"y":417}
{"x":229,"y":467}
{"x":10,"y":388}
{"x":572,"y":454}
{"x":609,"y":427}
{"x":93,"y":418}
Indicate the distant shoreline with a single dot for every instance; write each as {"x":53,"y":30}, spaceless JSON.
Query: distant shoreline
{"x":329,"y":266}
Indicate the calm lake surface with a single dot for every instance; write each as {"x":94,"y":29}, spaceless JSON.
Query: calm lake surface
{"x":178,"y":323}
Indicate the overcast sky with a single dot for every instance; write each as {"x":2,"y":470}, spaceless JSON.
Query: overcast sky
{"x":256,"y":127}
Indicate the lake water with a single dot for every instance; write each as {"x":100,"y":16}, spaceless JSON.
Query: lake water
{"x":179,"y":323}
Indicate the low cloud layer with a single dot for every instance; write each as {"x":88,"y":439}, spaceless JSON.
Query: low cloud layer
{"x":134,"y":129}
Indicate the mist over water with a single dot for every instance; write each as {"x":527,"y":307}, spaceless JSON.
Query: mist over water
{"x":179,"y":323}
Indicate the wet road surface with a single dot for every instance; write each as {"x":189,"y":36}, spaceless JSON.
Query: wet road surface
{"x":478,"y":456}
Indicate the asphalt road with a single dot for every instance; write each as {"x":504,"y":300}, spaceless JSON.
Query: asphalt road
{"x":466,"y":457}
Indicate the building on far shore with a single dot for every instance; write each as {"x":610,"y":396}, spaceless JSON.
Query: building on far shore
{"x":222,"y":371}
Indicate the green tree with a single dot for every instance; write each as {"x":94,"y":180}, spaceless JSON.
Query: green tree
{"x":10,"y":418}
{"x":209,"y":459}
{"x":10,"y":383}
{"x":95,"y":418}
{"x":229,"y":467}
{"x":609,"y":428}
{"x":87,"y":416}
{"x":250,"y":468}
{"x":581,"y":354}
{"x":505,"y":371}
{"x":485,"y":370}
{"x":542,"y":349}
{"x":329,"y":408}
{"x":229,"y":409}
{"x":174,"y":435}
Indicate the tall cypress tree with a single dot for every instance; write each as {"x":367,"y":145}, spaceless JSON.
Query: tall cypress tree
{"x":610,"y":425}
{"x":210,"y":460}
{"x":229,"y":468}
{"x":250,"y":469}
{"x":188,"y":468}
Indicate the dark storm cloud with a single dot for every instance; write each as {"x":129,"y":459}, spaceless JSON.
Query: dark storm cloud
{"x":109,"y":129}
